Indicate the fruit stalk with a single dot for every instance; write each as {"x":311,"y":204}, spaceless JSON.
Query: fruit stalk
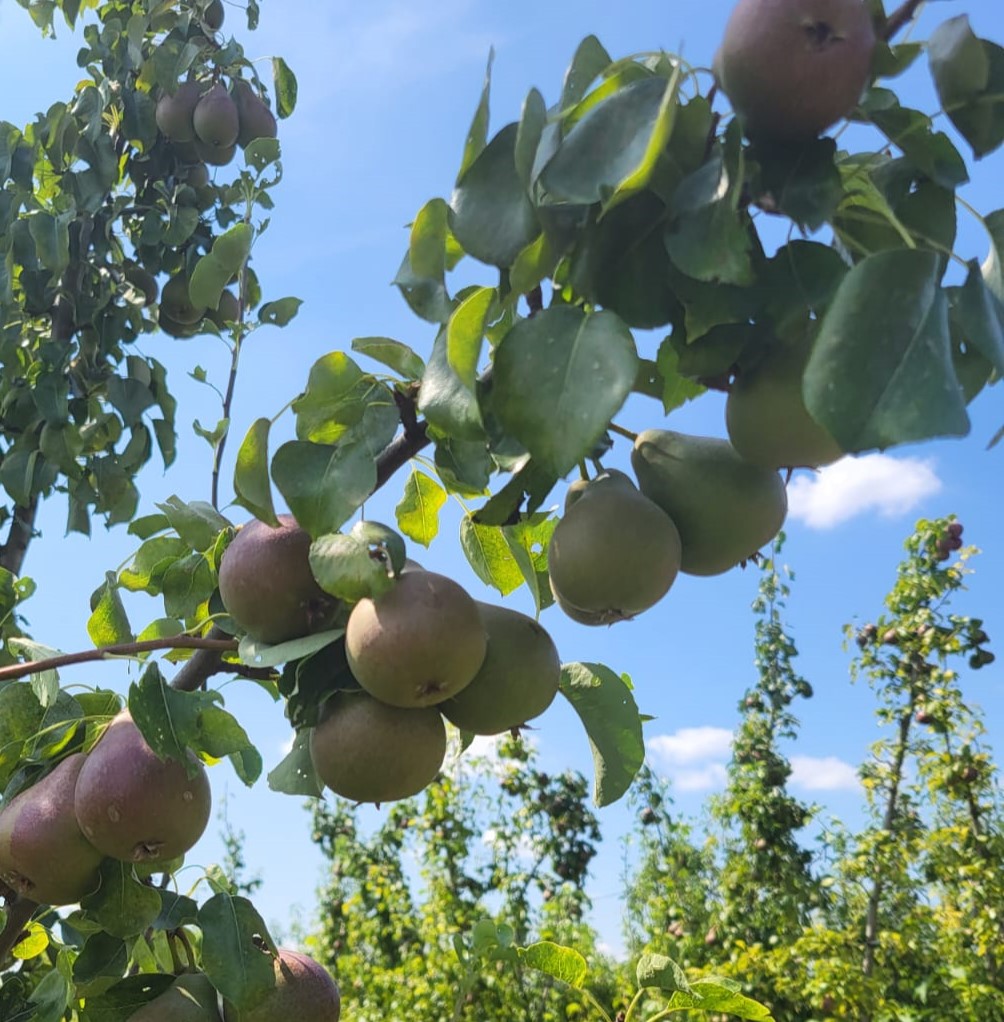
{"x":19,"y":912}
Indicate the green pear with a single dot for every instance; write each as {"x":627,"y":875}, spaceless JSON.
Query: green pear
{"x":175,"y":113}
{"x":227,"y":311}
{"x":190,"y":998}
{"x":171,"y":327}
{"x":176,"y":302}
{"x":791,"y":68}
{"x":44,"y":855}
{"x":135,"y":806}
{"x":367,"y":751}
{"x":724,"y":508}
{"x":418,"y":643}
{"x":517,"y":681}
{"x":767,"y":420}
{"x":267,"y":586}
{"x":615,"y":553}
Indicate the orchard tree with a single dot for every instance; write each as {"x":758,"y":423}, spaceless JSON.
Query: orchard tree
{"x":634,"y":201}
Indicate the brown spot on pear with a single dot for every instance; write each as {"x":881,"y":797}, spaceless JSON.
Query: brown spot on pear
{"x":791,"y":68}
{"x":44,"y":855}
{"x":766,"y":416}
{"x":267,"y":586}
{"x":256,"y":120}
{"x":190,"y":998}
{"x":517,"y":681}
{"x":134,"y":806}
{"x":615,"y":553}
{"x":724,"y":507}
{"x":367,"y":751}
{"x":215,"y":118}
{"x":418,"y":643}
{"x":175,"y":113}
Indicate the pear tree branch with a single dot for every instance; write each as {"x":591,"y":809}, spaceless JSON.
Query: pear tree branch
{"x":900,"y":18}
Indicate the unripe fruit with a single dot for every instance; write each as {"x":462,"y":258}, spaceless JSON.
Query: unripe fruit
{"x":367,"y":751}
{"x":176,"y":303}
{"x":175,"y":114}
{"x":213,"y":15}
{"x":215,"y":118}
{"x":256,"y":120}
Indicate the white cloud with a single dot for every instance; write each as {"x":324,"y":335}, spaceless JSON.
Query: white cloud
{"x":702,"y":779}
{"x":855,"y":486}
{"x":823,"y":773}
{"x":691,"y":745}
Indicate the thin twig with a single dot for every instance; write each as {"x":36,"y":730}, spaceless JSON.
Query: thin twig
{"x":217,"y":645}
{"x":900,"y":18}
{"x":22,"y":528}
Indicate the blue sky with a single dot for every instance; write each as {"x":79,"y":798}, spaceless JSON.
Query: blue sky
{"x":387,"y":90}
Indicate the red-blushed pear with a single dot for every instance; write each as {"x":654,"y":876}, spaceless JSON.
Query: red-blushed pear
{"x":175,"y":113}
{"x":766,"y":416}
{"x":190,"y":998}
{"x":215,"y":118}
{"x":44,"y":855}
{"x":213,"y":16}
{"x":724,"y":507}
{"x":517,"y":681}
{"x":134,"y":806}
{"x":418,"y":643}
{"x":256,"y":120}
{"x":303,"y":992}
{"x":266,"y":583}
{"x":614,"y":554}
{"x":367,"y":751}
{"x":791,"y":68}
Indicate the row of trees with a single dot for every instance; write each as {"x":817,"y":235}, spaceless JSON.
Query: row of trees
{"x":899,"y":919}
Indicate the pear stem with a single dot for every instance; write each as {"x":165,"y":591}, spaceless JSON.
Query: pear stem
{"x":621,"y":431}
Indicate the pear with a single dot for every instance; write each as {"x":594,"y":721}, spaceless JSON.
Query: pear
{"x":367,"y":751}
{"x":615,"y":553}
{"x":256,"y":120}
{"x":175,"y":113}
{"x":176,"y":303}
{"x":267,"y":586}
{"x":418,"y":643}
{"x":791,"y":68}
{"x":767,"y":420}
{"x":304,"y":992}
{"x":181,"y":331}
{"x":135,"y":806}
{"x":227,"y":311}
{"x":196,"y":176}
{"x":517,"y":681}
{"x":213,"y":15}
{"x":216,"y":156}
{"x":215,"y":118}
{"x":44,"y":855}
{"x":190,"y":998}
{"x":724,"y":508}
{"x":142,"y":281}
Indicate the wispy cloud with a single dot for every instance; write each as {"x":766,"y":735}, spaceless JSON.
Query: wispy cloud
{"x":873,"y":483}
{"x":690,"y":745}
{"x":823,"y":773}
{"x":704,"y":778}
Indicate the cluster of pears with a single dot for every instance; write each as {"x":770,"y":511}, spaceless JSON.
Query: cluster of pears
{"x":420,"y":651}
{"x":699,"y":507}
{"x":303,"y":991}
{"x":120,"y":800}
{"x":792,"y":68}
{"x":178,"y":316}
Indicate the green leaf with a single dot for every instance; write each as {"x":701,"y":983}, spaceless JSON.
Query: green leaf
{"x":477,"y":134}
{"x":464,"y":466}
{"x":121,"y":906}
{"x":465,"y":333}
{"x":391,"y":353}
{"x":324,"y":485}
{"x":176,"y":910}
{"x":677,"y":389}
{"x":993,"y":265}
{"x":427,"y":242}
{"x":418,"y":511}
{"x":708,"y":996}
{"x":34,"y":941}
{"x":533,"y":265}
{"x":563,"y":963}
{"x":259,"y":654}
{"x":52,"y":995}
{"x":881,"y":370}
{"x":251,"y":483}
{"x":102,"y":955}
{"x":590,"y":60}
{"x":280,"y":312}
{"x":493,"y":218}
{"x":285,"y":87}
{"x":345,"y":567}
{"x":208,"y":280}
{"x":655,"y":970}
{"x":559,"y":379}
{"x":980,"y":314}
{"x":172,"y":722}
{"x":231,"y":957}
{"x":609,"y":713}
{"x":426,"y":296}
{"x":199,"y":524}
{"x":802,"y":181}
{"x":532,"y":121}
{"x":124,"y":999}
{"x":528,"y":542}
{"x":489,"y":555}
{"x":51,"y":235}
{"x":444,"y":400}
{"x":296,"y":775}
{"x":108,"y":623}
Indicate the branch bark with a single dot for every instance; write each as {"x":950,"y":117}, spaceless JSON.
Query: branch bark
{"x":22,"y":528}
{"x":900,"y":18}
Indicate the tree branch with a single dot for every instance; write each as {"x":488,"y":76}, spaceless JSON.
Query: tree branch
{"x":19,"y":913}
{"x":212,"y":644}
{"x":22,"y":528}
{"x":900,"y":18}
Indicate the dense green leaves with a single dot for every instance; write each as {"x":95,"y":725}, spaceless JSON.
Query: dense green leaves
{"x":122,"y":905}
{"x":234,"y":955}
